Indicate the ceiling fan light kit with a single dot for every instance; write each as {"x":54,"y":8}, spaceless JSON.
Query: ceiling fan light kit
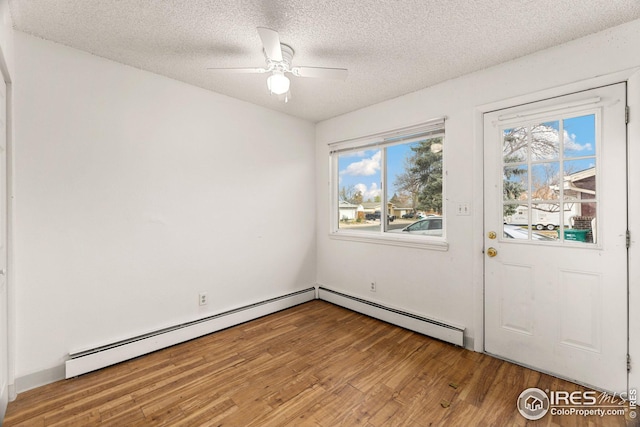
{"x":278,"y":57}
{"x":278,"y":83}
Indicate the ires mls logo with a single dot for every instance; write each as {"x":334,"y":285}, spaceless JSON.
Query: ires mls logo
{"x":533,"y":404}
{"x":574,"y":398}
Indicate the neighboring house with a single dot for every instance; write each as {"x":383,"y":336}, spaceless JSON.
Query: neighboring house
{"x":348,"y":211}
{"x":582,"y":185}
{"x":399,"y":210}
{"x":371,"y":207}
{"x":392,"y":208}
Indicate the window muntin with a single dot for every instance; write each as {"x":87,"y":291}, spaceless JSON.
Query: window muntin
{"x":381,"y":190}
{"x":549,"y":180}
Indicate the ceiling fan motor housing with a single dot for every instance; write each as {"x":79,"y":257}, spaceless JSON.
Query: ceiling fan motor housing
{"x":285,"y":64}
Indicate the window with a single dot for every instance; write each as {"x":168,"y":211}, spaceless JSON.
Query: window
{"x":549,"y":179}
{"x":390,"y":185}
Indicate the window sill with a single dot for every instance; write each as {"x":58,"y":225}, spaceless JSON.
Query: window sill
{"x":417,"y":242}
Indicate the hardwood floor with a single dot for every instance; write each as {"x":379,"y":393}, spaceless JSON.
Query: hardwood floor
{"x":312,"y":365}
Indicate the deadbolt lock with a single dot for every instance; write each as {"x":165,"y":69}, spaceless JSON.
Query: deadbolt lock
{"x":492,"y":235}
{"x":492,"y":252}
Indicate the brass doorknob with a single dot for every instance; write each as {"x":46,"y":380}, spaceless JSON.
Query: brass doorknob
{"x":492,"y":252}
{"x":492,"y":235}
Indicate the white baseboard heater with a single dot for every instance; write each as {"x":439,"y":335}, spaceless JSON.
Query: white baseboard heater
{"x":433,"y":328}
{"x":106,"y":355}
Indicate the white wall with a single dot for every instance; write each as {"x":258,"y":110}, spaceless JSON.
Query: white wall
{"x":6,"y":35}
{"x":135,"y":192}
{"x":448,"y":285}
{"x":6,"y":321}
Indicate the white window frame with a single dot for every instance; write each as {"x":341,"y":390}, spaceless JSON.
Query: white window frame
{"x":432,"y":129}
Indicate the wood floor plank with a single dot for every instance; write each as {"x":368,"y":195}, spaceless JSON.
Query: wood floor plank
{"x":314,"y":365}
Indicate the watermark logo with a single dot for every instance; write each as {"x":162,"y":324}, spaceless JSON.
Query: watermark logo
{"x":533,"y":404}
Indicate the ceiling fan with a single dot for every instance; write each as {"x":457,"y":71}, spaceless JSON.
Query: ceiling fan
{"x":278,"y":57}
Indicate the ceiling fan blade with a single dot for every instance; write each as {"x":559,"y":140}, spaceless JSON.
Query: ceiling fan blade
{"x":239,"y":70}
{"x":320,"y":72}
{"x":271,"y":42}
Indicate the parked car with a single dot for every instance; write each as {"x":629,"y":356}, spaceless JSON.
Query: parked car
{"x":431,"y":226}
{"x":424,"y":215}
{"x":409,"y":215}
{"x":515,"y":232}
{"x":372,"y":216}
{"x":376,"y":216}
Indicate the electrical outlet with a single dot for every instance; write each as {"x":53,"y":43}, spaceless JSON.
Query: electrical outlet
{"x":203,"y":299}
{"x":372,"y":287}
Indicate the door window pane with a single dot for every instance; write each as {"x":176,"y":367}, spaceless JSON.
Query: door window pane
{"x":515,"y":145}
{"x":545,"y":181}
{"x":526,"y":233}
{"x":515,"y":232}
{"x":580,"y":179}
{"x":579,"y":136}
{"x":515,"y":182}
{"x":516,"y":214}
{"x":583,"y":224}
{"x":545,"y":216}
{"x":545,"y":141}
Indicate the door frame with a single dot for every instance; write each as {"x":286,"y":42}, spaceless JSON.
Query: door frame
{"x":632,"y":77}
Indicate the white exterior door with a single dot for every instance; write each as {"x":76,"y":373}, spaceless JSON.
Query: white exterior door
{"x":556,"y":277}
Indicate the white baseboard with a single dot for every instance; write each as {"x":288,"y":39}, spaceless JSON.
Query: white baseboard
{"x":38,"y":379}
{"x":4,"y":401}
{"x":12,"y":392}
{"x":434,"y":328}
{"x":113,"y":353}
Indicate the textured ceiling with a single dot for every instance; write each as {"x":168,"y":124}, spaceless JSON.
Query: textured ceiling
{"x":391,"y":47}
